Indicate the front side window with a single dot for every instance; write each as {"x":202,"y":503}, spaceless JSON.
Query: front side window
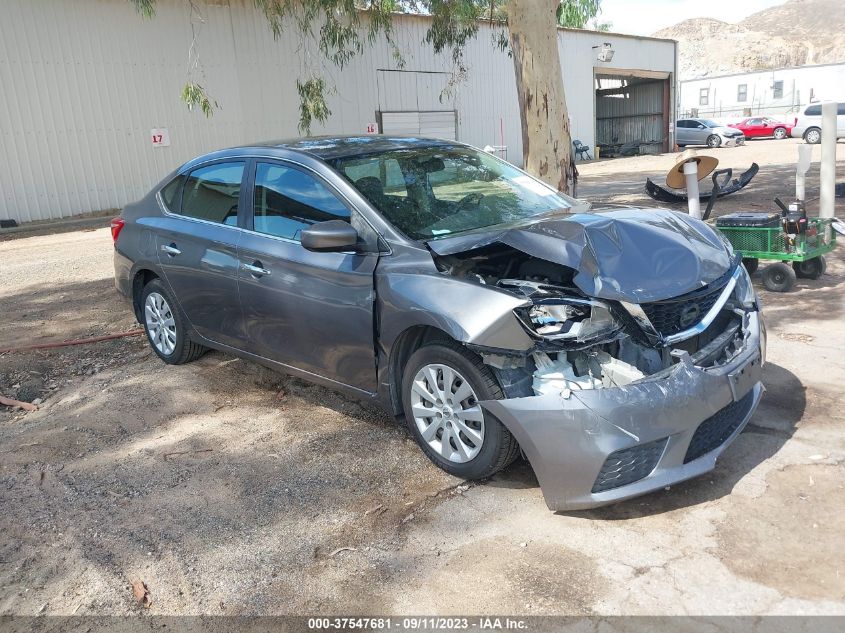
{"x":742,"y":93}
{"x":287,"y":200}
{"x":703,"y":95}
{"x":449,"y":189}
{"x":211,"y":193}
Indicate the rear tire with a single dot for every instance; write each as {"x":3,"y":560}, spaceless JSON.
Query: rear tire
{"x":714,"y":140}
{"x":813,"y":136}
{"x":166,"y":330}
{"x":751,"y":264}
{"x":778,"y":277}
{"x":780,"y":133}
{"x":477,"y":445}
{"x":810,"y":268}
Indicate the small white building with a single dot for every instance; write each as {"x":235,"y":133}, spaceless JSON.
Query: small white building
{"x":90,"y":115}
{"x":780,"y":93}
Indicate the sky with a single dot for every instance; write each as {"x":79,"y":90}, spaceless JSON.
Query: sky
{"x":644,"y":17}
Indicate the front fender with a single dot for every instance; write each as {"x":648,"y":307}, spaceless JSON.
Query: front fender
{"x":468,"y":312}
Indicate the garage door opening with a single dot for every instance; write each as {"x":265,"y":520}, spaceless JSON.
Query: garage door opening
{"x":632,"y":114}
{"x":435,"y":124}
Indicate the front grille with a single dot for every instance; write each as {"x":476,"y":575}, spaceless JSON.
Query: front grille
{"x":629,"y":465}
{"x":716,"y":429}
{"x":675,"y":315}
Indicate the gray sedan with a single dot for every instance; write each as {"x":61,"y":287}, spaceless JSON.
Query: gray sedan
{"x":619,"y":350}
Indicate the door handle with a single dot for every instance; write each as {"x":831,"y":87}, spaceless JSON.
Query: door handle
{"x":255,"y":268}
{"x":170,"y":249}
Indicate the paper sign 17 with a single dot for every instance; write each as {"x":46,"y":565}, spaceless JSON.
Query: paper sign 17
{"x":160,"y":137}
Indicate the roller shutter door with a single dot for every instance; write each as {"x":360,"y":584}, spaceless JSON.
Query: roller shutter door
{"x":441,"y":124}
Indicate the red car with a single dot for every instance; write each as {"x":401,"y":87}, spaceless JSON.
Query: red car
{"x":759,"y":127}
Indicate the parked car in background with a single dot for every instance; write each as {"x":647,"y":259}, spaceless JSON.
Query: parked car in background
{"x":706,"y":132}
{"x":808,"y":124}
{"x":619,"y":350}
{"x":762,"y":127}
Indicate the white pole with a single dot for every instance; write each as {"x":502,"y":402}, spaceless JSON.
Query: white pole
{"x":805,"y":158}
{"x":691,"y":175}
{"x":827,"y":172}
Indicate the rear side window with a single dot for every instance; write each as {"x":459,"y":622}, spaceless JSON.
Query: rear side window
{"x":815,"y":110}
{"x":288,"y":200}
{"x":211,"y":193}
{"x":170,"y":194}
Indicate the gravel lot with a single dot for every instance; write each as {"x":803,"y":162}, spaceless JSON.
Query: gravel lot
{"x":230,"y":489}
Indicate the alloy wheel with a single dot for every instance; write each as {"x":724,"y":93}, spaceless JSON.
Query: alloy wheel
{"x":447,"y":414}
{"x":161,"y":325}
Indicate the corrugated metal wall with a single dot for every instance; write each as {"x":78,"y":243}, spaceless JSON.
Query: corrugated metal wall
{"x":632,"y":114}
{"x":84,"y":82}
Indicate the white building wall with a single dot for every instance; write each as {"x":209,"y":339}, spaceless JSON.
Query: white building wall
{"x":800,"y":86}
{"x":82,"y":84}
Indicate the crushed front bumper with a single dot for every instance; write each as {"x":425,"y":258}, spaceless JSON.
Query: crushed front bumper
{"x":600,"y":446}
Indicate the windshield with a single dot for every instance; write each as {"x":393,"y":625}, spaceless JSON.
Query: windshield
{"x":709,"y":123}
{"x":431,"y":192}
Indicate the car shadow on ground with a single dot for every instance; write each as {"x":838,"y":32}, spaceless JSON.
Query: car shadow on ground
{"x":774,"y":422}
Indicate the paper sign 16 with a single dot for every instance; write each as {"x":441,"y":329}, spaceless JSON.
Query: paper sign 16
{"x":160,"y":137}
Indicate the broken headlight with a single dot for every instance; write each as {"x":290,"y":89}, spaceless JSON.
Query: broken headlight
{"x":575,"y":319}
{"x":744,"y":291}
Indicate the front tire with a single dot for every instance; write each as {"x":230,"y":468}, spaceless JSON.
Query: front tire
{"x":714,"y":140}
{"x":780,"y":133}
{"x":165,"y":327}
{"x":813,"y":136}
{"x":441,"y":388}
{"x":778,"y":277}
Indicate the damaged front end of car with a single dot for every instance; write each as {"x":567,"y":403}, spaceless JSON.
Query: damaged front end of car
{"x":638,"y":374}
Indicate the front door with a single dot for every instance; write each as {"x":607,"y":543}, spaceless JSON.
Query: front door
{"x":312,"y":311}
{"x":197,"y":247}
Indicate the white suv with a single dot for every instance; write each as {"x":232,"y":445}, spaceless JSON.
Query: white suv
{"x":808,"y":124}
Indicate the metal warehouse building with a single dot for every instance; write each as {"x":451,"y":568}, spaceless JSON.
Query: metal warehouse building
{"x":84,"y":84}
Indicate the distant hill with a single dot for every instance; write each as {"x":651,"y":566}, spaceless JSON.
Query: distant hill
{"x":796,"y":33}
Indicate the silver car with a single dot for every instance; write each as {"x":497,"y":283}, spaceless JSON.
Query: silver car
{"x":706,"y":132}
{"x":619,"y":351}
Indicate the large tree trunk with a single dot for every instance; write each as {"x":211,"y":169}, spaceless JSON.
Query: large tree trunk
{"x":546,"y":144}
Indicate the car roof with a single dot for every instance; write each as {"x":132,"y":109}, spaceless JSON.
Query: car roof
{"x":324,"y":148}
{"x":330,"y":147}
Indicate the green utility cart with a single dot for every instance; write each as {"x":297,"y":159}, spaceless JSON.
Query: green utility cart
{"x":763,"y":236}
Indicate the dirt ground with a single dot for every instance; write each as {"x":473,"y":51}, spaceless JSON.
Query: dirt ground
{"x":230,"y":489}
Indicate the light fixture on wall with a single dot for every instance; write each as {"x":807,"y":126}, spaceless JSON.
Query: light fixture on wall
{"x":605,"y":53}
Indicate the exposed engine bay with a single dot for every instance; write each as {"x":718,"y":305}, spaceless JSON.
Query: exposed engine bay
{"x":582,"y":342}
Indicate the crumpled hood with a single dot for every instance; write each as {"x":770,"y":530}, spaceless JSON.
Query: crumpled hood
{"x":634,"y":255}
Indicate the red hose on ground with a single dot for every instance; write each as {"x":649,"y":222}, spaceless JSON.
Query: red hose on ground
{"x":79,"y":341}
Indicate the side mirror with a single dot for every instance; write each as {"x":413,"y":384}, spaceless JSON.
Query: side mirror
{"x":701,"y":126}
{"x":332,"y":235}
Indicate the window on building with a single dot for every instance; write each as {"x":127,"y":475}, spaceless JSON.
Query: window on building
{"x":777,"y":90}
{"x":211,"y":193}
{"x":288,"y":200}
{"x":703,"y":96}
{"x":742,"y":93}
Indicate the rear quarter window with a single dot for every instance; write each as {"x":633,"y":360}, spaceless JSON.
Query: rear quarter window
{"x":170,"y":194}
{"x":814,"y":110}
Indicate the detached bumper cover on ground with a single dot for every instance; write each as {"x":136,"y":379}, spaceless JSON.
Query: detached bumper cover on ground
{"x":599,"y":446}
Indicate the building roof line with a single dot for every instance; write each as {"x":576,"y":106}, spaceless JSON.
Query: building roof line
{"x":763,"y":71}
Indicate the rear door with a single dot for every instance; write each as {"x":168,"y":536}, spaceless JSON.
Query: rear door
{"x":312,"y":311}
{"x":682,"y":132}
{"x":196,"y":244}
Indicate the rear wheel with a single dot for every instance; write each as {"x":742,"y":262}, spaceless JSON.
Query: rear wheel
{"x":441,"y":388}
{"x":165,"y":328}
{"x":780,"y":133}
{"x":751,"y":264}
{"x":813,"y":136}
{"x":810,"y":268}
{"x":778,"y":277}
{"x":714,"y":140}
